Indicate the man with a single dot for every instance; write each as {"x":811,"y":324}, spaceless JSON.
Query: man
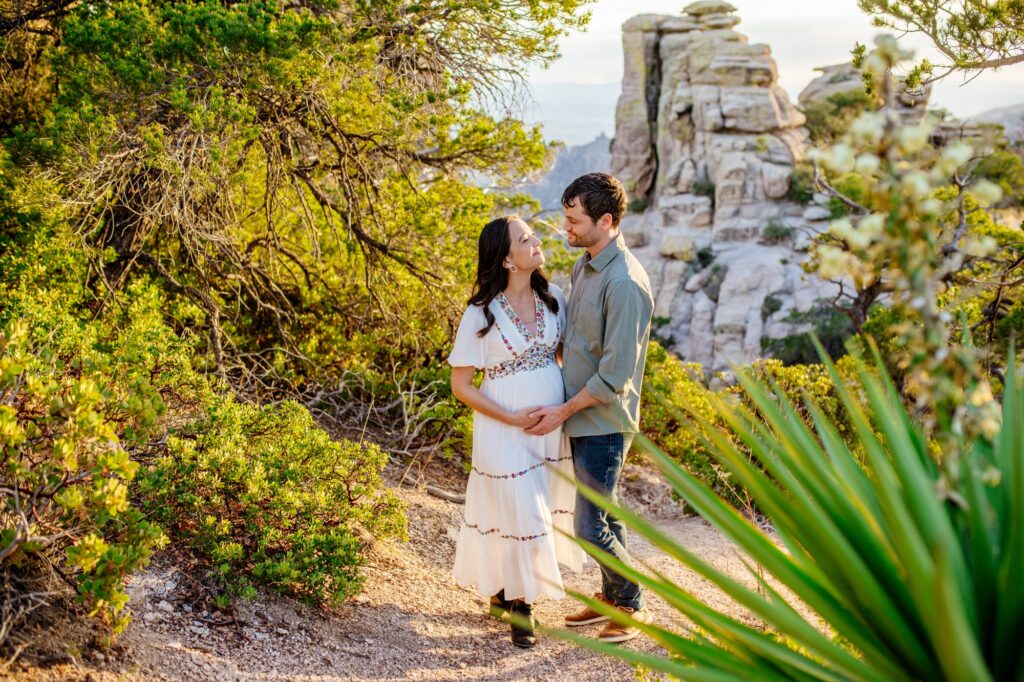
{"x":609,"y":323}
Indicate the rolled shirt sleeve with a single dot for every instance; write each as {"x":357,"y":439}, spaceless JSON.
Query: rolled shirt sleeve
{"x":627,"y":310}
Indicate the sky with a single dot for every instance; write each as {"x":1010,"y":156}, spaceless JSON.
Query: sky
{"x":574,"y":98}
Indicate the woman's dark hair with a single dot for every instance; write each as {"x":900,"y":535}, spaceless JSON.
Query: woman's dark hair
{"x":491,"y":274}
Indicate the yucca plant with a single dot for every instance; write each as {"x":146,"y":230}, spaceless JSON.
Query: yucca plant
{"x":916,"y":574}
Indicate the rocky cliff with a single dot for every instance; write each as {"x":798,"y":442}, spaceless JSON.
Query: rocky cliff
{"x":705,"y":142}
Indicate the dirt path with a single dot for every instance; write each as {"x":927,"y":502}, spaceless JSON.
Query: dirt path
{"x":410,"y":623}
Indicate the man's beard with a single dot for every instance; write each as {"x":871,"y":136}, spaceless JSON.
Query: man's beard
{"x":581,"y":241}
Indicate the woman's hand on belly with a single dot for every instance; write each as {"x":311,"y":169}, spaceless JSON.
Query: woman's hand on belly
{"x":522,"y":418}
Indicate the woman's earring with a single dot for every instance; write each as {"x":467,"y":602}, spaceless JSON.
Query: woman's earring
{"x":512,"y":267}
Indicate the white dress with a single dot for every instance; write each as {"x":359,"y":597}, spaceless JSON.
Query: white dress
{"x":516,"y":504}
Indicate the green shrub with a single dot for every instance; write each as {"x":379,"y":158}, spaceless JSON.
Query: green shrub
{"x":79,"y":392}
{"x":673,"y":387}
{"x":776,"y":232}
{"x":269,"y":499}
{"x":705,"y":256}
{"x":852,"y":186}
{"x":669,"y":383}
{"x":638,"y":205}
{"x":65,"y":422}
{"x":88,"y":390}
{"x":827,"y":120}
{"x":832,"y":327}
{"x":801,"y":183}
{"x":703,"y":188}
{"x":713,"y":285}
{"x":770,"y":306}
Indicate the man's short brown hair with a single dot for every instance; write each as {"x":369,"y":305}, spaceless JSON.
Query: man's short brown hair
{"x":598,"y":193}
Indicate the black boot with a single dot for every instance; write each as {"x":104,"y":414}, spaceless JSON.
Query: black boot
{"x":499,"y":606}
{"x":523,"y":624}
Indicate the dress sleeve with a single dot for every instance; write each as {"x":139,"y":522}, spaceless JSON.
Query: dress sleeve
{"x":469,"y":349}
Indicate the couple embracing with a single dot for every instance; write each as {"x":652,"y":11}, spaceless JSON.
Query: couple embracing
{"x":537,"y":426}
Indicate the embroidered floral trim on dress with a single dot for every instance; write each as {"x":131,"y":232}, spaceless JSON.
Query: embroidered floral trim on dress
{"x":537,"y":355}
{"x":538,"y":307}
{"x":519,"y":474}
{"x":534,"y":357}
{"x":518,"y":538}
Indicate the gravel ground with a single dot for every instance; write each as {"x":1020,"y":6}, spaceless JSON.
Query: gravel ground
{"x":410,"y":623}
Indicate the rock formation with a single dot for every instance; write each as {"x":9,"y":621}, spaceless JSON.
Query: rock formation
{"x":838,"y":79}
{"x":705,"y":142}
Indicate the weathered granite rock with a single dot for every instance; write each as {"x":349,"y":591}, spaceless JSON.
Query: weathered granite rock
{"x":911,"y":103}
{"x":677,"y":245}
{"x":708,"y":138}
{"x":697,"y":347}
{"x":686,"y":210}
{"x":671,"y":277}
{"x":757,"y":110}
{"x":775,"y":179}
{"x":635,"y":231}
{"x":834,"y":80}
{"x":633,"y":156}
{"x":718,"y":21}
{"x":703,"y":7}
{"x":674,"y":130}
{"x":816,"y":213}
{"x":678,"y":24}
{"x":731,"y":64}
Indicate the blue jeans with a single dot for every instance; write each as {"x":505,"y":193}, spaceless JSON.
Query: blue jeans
{"x":597,"y":461}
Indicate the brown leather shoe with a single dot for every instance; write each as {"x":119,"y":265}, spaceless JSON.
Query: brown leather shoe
{"x":587,"y":615}
{"x":616,"y":632}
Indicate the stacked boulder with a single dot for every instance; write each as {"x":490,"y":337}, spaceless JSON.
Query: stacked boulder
{"x":840,"y":79}
{"x":706,"y":142}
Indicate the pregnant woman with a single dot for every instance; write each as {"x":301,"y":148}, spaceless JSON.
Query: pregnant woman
{"x":509,"y":545}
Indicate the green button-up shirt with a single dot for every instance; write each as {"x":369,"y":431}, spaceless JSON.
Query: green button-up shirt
{"x":609,"y":324}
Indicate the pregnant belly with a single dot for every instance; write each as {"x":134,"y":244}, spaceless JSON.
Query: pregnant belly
{"x":538,"y":387}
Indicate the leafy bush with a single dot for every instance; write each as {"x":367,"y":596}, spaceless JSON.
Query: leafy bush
{"x":776,"y":232}
{"x":64,"y":425}
{"x":79,"y":392}
{"x":268,"y":498}
{"x":668,"y":384}
{"x":705,"y":256}
{"x":704,"y":188}
{"x":852,"y":186}
{"x":827,"y":120}
{"x":638,"y":205}
{"x":673,"y":387}
{"x":713,"y":285}
{"x":88,"y":389}
{"x":770,"y":306}
{"x":832,"y":327}
{"x":292,"y":239}
{"x":801,"y":183}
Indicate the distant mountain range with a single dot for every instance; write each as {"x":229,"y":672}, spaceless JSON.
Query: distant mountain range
{"x":570,"y":163}
{"x":1012,"y":120}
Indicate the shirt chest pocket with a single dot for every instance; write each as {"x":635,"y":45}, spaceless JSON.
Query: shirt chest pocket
{"x":590,"y":326}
